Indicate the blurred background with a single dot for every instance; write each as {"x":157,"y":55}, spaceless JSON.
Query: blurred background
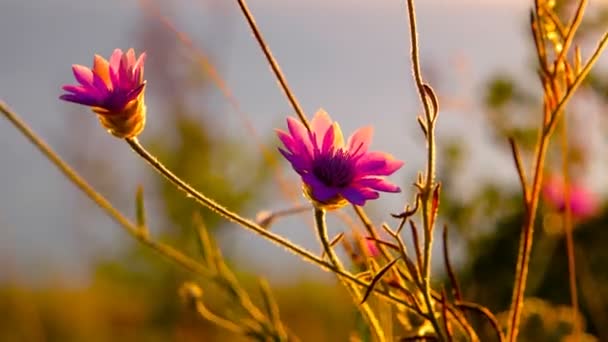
{"x":69,"y":273}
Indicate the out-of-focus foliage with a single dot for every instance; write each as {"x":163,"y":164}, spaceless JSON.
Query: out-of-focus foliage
{"x":135,"y":296}
{"x":490,"y":220}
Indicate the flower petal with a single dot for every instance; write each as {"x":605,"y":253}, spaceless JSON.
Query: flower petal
{"x":359,"y":142}
{"x":339,"y":138}
{"x":101,"y":68}
{"x":80,"y":99}
{"x":378,"y":183}
{"x":319,"y":191}
{"x":329,"y":140}
{"x":300,"y":164}
{"x":123,"y":73}
{"x":133,"y":94}
{"x":300,"y":136}
{"x":130,"y":57}
{"x":115,"y":66}
{"x":76,"y":89}
{"x":358,"y":195}
{"x":83,"y":92}
{"x":83,"y":74}
{"x":139,"y":68}
{"x":320,"y":124}
{"x":582,"y":203}
{"x":377,"y":164}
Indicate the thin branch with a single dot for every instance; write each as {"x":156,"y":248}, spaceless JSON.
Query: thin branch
{"x":567,"y":222}
{"x":572,"y":28}
{"x":526,"y":240}
{"x":369,"y":226}
{"x":273,"y":64}
{"x":425,"y":93}
{"x":556,"y":113}
{"x":132,"y":229}
{"x":448,"y":265}
{"x":207,"y":65}
{"x":365,"y":309}
{"x":520,"y":171}
{"x":444,"y":313}
{"x":484,"y":312}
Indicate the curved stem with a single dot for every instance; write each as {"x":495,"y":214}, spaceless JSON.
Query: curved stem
{"x":525,"y":248}
{"x":250,"y":225}
{"x":428,"y":186}
{"x":130,"y":227}
{"x":217,"y":320}
{"x":366,"y":311}
{"x":165,"y":250}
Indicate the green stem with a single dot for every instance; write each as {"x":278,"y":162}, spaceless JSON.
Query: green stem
{"x":366,"y":311}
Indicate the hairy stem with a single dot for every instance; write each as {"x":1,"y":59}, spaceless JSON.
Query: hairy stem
{"x":365,"y":309}
{"x":250,"y":225}
{"x":427,"y":189}
{"x":130,"y":227}
{"x":167,"y":251}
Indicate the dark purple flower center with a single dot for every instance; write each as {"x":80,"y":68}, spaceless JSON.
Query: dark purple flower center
{"x":336,"y":170}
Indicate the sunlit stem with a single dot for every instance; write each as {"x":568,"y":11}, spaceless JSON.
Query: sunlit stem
{"x":525,"y":245}
{"x":250,"y":225}
{"x":365,"y":309}
{"x":427,"y":187}
{"x":567,"y":223}
{"x":133,"y":229}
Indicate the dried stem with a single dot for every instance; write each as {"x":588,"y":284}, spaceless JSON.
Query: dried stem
{"x":525,"y":246}
{"x":567,"y":223}
{"x":448,"y":265}
{"x":520,"y":171}
{"x":486,"y":313}
{"x":428,"y":186}
{"x":130,"y":227}
{"x":365,"y":309}
{"x":577,"y":82}
{"x":572,"y":28}
{"x":167,"y":251}
{"x":217,"y":320}
{"x":250,"y":225}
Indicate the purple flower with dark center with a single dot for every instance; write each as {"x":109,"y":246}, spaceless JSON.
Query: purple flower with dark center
{"x":335,"y":173}
{"x":583,"y":204}
{"x":114,"y":90}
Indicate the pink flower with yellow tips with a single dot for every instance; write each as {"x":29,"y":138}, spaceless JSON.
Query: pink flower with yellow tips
{"x":114,"y":90}
{"x":334,"y":173}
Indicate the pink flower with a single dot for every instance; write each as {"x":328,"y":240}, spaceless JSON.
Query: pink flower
{"x":335,"y":173}
{"x":583,"y":203}
{"x":114,"y":90}
{"x":372,"y":248}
